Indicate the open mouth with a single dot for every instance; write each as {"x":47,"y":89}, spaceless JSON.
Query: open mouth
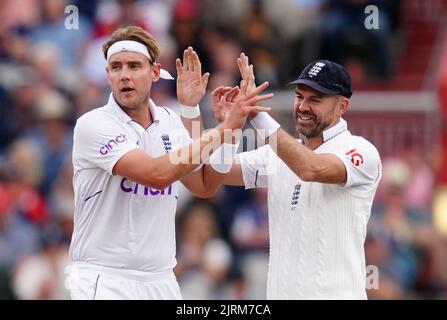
{"x":304,"y":117}
{"x":127,"y":89}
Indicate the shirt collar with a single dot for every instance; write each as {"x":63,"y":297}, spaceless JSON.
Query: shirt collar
{"x":124,"y":116}
{"x":335,"y":130}
{"x":153,"y":109}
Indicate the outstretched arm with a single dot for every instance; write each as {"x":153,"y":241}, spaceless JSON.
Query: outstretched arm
{"x":356,"y":164}
{"x":222,"y":101}
{"x":162,"y":171}
{"x":306,"y":164}
{"x":205,"y":182}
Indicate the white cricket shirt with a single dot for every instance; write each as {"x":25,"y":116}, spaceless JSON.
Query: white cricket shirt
{"x":317,"y":231}
{"x":117,"y":222}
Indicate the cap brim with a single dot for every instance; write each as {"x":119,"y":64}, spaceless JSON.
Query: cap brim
{"x":314,"y":85}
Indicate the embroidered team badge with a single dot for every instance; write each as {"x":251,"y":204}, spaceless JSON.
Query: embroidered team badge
{"x":166,"y":142}
{"x":316,"y":69}
{"x":295,"y":196}
{"x":356,"y":158}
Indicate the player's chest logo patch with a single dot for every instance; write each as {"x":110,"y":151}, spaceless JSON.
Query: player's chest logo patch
{"x":295,"y":196}
{"x":166,"y":142}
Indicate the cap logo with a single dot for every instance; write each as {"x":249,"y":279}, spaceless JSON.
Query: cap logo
{"x":316,"y":69}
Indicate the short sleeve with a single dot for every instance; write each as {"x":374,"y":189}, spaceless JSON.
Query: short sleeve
{"x":256,"y":167}
{"x":99,"y":142}
{"x":362,"y":163}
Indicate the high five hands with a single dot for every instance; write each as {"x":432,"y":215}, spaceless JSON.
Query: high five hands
{"x":242,"y":104}
{"x":231,"y":105}
{"x":224,"y":99}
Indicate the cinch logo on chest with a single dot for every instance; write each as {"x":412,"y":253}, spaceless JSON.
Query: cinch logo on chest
{"x":112,"y":143}
{"x":144,"y":190}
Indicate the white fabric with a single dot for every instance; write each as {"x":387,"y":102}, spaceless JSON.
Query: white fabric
{"x":117,"y":222}
{"x":317,"y":231}
{"x":222,"y":159}
{"x":335,"y":130}
{"x":135,"y":46}
{"x":257,"y":165}
{"x":189,"y":112}
{"x":264,"y":124}
{"x":92,"y":282}
{"x":129,"y":45}
{"x":164,"y":74}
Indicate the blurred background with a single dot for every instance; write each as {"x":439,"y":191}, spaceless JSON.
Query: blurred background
{"x":51,"y":75}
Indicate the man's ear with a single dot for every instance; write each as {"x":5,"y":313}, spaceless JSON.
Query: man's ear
{"x":155,"y":73}
{"x":343,"y":105}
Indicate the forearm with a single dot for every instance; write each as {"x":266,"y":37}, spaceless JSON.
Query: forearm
{"x":212,"y":180}
{"x":222,"y":169}
{"x":178,"y":163}
{"x":302,"y":161}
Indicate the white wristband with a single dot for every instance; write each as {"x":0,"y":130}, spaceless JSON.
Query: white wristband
{"x":222,"y":159}
{"x":189,"y":112}
{"x":264,"y":124}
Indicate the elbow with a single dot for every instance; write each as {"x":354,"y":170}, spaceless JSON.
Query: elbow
{"x":314,"y":173}
{"x":158,"y":182}
{"x":162,"y":184}
{"x":205,"y":194}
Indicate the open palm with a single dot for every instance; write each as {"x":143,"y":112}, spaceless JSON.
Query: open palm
{"x":191,"y":84}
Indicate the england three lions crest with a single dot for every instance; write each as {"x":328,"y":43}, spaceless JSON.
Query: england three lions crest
{"x":166,"y":142}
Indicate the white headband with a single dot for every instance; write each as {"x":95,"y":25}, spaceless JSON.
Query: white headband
{"x":135,"y":46}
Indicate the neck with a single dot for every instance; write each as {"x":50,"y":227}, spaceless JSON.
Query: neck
{"x":314,"y":142}
{"x":141,"y":115}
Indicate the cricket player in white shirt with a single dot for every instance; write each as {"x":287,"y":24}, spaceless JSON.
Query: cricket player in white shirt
{"x":320,"y":188}
{"x":125,"y":179}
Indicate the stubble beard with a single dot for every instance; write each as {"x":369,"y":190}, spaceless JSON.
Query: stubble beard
{"x":137,"y":102}
{"x":318,"y":128}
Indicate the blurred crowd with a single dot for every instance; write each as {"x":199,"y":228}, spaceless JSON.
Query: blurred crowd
{"x":51,"y":74}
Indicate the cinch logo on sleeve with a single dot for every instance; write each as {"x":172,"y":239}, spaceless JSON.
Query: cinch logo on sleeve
{"x":112,"y":143}
{"x":147,"y":191}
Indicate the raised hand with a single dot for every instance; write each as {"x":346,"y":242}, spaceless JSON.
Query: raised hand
{"x":246,"y":71}
{"x":191,"y":84}
{"x":244,"y":104}
{"x":222,"y":100}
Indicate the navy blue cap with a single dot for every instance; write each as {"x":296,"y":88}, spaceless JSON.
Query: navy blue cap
{"x":326,"y":77}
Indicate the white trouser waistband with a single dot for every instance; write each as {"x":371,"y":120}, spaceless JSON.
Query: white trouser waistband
{"x":129,"y":274}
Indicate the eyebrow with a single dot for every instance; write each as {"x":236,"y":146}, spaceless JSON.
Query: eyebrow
{"x":126,"y":62}
{"x":319,"y":96}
